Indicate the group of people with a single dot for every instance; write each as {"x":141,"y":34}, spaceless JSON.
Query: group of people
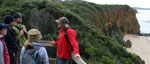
{"x":14,"y":36}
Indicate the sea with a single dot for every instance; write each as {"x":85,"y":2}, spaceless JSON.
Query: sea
{"x":143,"y":17}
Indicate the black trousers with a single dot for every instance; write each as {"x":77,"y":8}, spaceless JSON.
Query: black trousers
{"x":13,"y":60}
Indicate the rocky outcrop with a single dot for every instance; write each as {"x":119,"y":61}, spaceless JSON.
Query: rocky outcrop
{"x":105,"y":16}
{"x":124,"y":16}
{"x":128,"y":44}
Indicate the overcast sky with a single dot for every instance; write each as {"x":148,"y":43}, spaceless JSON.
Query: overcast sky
{"x":132,"y":3}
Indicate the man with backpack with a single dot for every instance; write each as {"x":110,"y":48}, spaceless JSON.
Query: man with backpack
{"x":33,"y":52}
{"x":10,"y":38}
{"x":20,"y":29}
{"x":67,"y":42}
{"x":4,"y":56}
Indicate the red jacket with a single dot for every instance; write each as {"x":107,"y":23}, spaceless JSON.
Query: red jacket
{"x":63,"y":47}
{"x":6,"y":55}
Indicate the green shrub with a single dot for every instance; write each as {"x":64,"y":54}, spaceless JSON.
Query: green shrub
{"x":98,"y":43}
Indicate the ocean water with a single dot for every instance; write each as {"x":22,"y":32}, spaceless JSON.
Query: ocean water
{"x":143,"y":17}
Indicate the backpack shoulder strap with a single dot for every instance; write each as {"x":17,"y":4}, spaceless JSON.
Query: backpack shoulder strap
{"x":38,"y":47}
{"x":36,"y":54}
{"x":18,"y":28}
{"x":65,"y":33}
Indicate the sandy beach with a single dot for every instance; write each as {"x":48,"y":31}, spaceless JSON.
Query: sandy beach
{"x":140,"y":46}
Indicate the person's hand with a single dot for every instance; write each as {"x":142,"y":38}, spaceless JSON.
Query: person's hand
{"x":13,"y":54}
{"x":53,"y":41}
{"x":24,"y":30}
{"x":77,"y":56}
{"x":21,"y":32}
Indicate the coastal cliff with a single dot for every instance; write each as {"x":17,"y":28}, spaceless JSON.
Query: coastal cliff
{"x":100,"y":28}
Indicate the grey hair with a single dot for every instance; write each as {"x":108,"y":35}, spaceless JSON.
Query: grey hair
{"x":67,"y":26}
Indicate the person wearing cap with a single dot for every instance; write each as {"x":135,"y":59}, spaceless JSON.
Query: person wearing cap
{"x":34,"y":37}
{"x":4,"y":56}
{"x":10,"y":38}
{"x":20,"y":29}
{"x":63,"y":47}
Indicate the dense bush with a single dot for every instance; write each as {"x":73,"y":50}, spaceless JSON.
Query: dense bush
{"x":98,"y":43}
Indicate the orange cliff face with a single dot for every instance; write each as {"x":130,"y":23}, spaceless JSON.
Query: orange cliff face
{"x":123,"y":16}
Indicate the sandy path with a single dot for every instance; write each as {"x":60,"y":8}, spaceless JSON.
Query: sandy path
{"x":140,"y":46}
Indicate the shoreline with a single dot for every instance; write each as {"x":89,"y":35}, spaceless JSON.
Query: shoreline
{"x":140,"y":46}
{"x":144,"y":34}
{"x":140,"y":34}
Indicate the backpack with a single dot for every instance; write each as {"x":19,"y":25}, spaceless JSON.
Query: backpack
{"x":31,"y":56}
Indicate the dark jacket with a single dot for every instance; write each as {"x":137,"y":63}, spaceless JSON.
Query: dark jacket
{"x":11,"y":41}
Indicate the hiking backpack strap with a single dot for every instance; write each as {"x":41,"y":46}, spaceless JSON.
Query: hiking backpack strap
{"x":65,"y":33}
{"x":36,"y":54}
{"x":19,"y":28}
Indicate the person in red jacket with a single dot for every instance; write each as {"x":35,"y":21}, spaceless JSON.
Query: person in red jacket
{"x":4,"y":56}
{"x":63,"y":47}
